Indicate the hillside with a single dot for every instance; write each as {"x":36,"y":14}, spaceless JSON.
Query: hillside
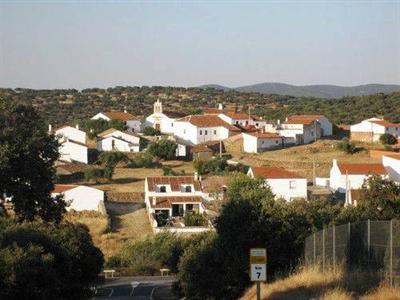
{"x":321,"y":91}
{"x":60,"y":106}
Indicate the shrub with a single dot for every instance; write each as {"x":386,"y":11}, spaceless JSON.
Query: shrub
{"x":163,"y":149}
{"x":215,"y":166}
{"x":194,"y":219}
{"x":167,"y":171}
{"x":94,"y":127}
{"x":150,"y":131}
{"x":346,"y":146}
{"x":144,"y":160}
{"x":93,"y":174}
{"x":388,"y":139}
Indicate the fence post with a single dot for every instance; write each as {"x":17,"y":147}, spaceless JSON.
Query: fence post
{"x":369,"y":239}
{"x":348,"y":240}
{"x":391,"y":254}
{"x":334,"y":245}
{"x":315,"y":256}
{"x":323,"y":250}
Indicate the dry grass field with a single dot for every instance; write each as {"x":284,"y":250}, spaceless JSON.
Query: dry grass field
{"x":311,"y":283}
{"x":300,"y":158}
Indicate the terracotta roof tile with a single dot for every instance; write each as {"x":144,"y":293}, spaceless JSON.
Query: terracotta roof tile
{"x":174,"y":181}
{"x":386,"y":123}
{"x":264,"y":135}
{"x":361,"y":169}
{"x":119,"y":115}
{"x":208,"y":121}
{"x":236,"y":115}
{"x":300,"y":120}
{"x":60,"y":188}
{"x":273,"y":173}
{"x":394,"y":155}
{"x":166,"y":202}
{"x":174,"y":114}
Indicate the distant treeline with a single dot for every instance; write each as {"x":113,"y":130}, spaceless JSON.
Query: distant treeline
{"x":60,"y":106}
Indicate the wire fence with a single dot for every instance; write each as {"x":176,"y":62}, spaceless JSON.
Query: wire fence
{"x":372,"y":246}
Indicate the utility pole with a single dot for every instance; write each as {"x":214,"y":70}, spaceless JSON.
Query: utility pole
{"x":313,"y":168}
{"x":258,"y":290}
{"x":220,"y":148}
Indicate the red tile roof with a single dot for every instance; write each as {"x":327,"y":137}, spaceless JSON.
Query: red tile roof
{"x":208,"y":121}
{"x":174,"y":181}
{"x":360,"y":169}
{"x":394,"y":156}
{"x":166,"y":202}
{"x":386,"y":123}
{"x":111,"y":130}
{"x":300,"y":120}
{"x":273,"y":173}
{"x":315,"y":117}
{"x":236,"y":115}
{"x":119,"y":115}
{"x":265,"y":135}
{"x":60,"y":188}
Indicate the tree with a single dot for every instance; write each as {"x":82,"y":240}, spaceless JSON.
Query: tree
{"x":110,"y":159}
{"x":346,"y":146}
{"x":388,"y":139}
{"x":93,"y":174}
{"x":94,"y":127}
{"x":27,"y":156}
{"x":150,"y":131}
{"x":163,"y":149}
{"x":42,"y":261}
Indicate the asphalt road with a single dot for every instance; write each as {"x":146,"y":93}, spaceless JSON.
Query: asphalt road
{"x":145,"y":288}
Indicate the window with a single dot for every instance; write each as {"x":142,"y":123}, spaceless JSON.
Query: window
{"x":277,"y":142}
{"x":237,"y":122}
{"x":215,"y":132}
{"x":292,"y":184}
{"x":188,"y":189}
{"x":205,"y":132}
{"x":184,"y":131}
{"x":189,"y":207}
{"x":163,"y":189}
{"x":262,"y":142}
{"x":172,"y":124}
{"x":201,"y":132}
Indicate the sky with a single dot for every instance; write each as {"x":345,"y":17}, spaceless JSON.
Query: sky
{"x":71,"y":44}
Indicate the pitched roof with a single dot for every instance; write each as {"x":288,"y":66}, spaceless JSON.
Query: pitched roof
{"x":394,"y":155}
{"x":174,"y":181}
{"x":65,"y":140}
{"x":236,"y":115}
{"x":264,"y":135}
{"x":214,"y":183}
{"x":119,"y":115}
{"x":166,"y":202}
{"x":315,"y":117}
{"x":60,"y":188}
{"x":174,"y":114}
{"x":216,"y":111}
{"x":273,"y":173}
{"x":208,"y":121}
{"x":360,"y":169}
{"x":111,"y":130}
{"x":385,"y":123}
{"x":304,"y":120}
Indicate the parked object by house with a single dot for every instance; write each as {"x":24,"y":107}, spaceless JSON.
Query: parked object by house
{"x":131,"y":122}
{"x":80,"y":197}
{"x":169,"y":198}
{"x":372,"y":129}
{"x":258,"y":141}
{"x":325,"y":124}
{"x":198,"y":129}
{"x":116,"y":140}
{"x":162,"y":120}
{"x":391,"y":162}
{"x":347,"y":176}
{"x":284,"y":184}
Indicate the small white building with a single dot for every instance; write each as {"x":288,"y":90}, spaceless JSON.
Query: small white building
{"x":199,"y":129}
{"x":325,"y":124}
{"x":80,"y":197}
{"x":72,"y":133}
{"x":301,"y":130}
{"x":256,"y":142}
{"x":283,"y":184}
{"x":131,"y":122}
{"x":241,"y":119}
{"x":391,"y":162}
{"x":372,"y":129}
{"x":347,"y":176}
{"x":162,"y":120}
{"x":116,"y":140}
{"x":72,"y":151}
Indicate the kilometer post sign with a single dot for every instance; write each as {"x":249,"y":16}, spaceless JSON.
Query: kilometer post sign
{"x":258,"y":264}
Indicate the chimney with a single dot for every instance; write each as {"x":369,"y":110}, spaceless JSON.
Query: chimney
{"x":196,"y":176}
{"x":125,"y":111}
{"x":77,"y":126}
{"x":220,"y":106}
{"x":154,"y":201}
{"x":50,"y":128}
{"x":278,"y":122}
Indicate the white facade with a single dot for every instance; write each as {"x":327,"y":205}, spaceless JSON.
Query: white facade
{"x":283,"y":186}
{"x":72,"y":151}
{"x":376,"y":127}
{"x":116,"y":140}
{"x":72,"y":133}
{"x":132,"y":124}
{"x":260,"y":142}
{"x":392,"y":165}
{"x":81,"y":197}
{"x":195,"y":135}
{"x":301,"y":133}
{"x":159,"y":120}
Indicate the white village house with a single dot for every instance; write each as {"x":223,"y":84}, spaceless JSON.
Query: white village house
{"x":162,"y":120}
{"x":171,"y":197}
{"x":283,"y":184}
{"x":80,"y":197}
{"x":347,"y":176}
{"x":72,"y":144}
{"x":257,"y":142}
{"x":372,"y":129}
{"x":391,"y":162}
{"x":199,"y":129}
{"x":131,"y":122}
{"x":242,"y":119}
{"x":116,"y":140}
{"x":325,"y":124}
